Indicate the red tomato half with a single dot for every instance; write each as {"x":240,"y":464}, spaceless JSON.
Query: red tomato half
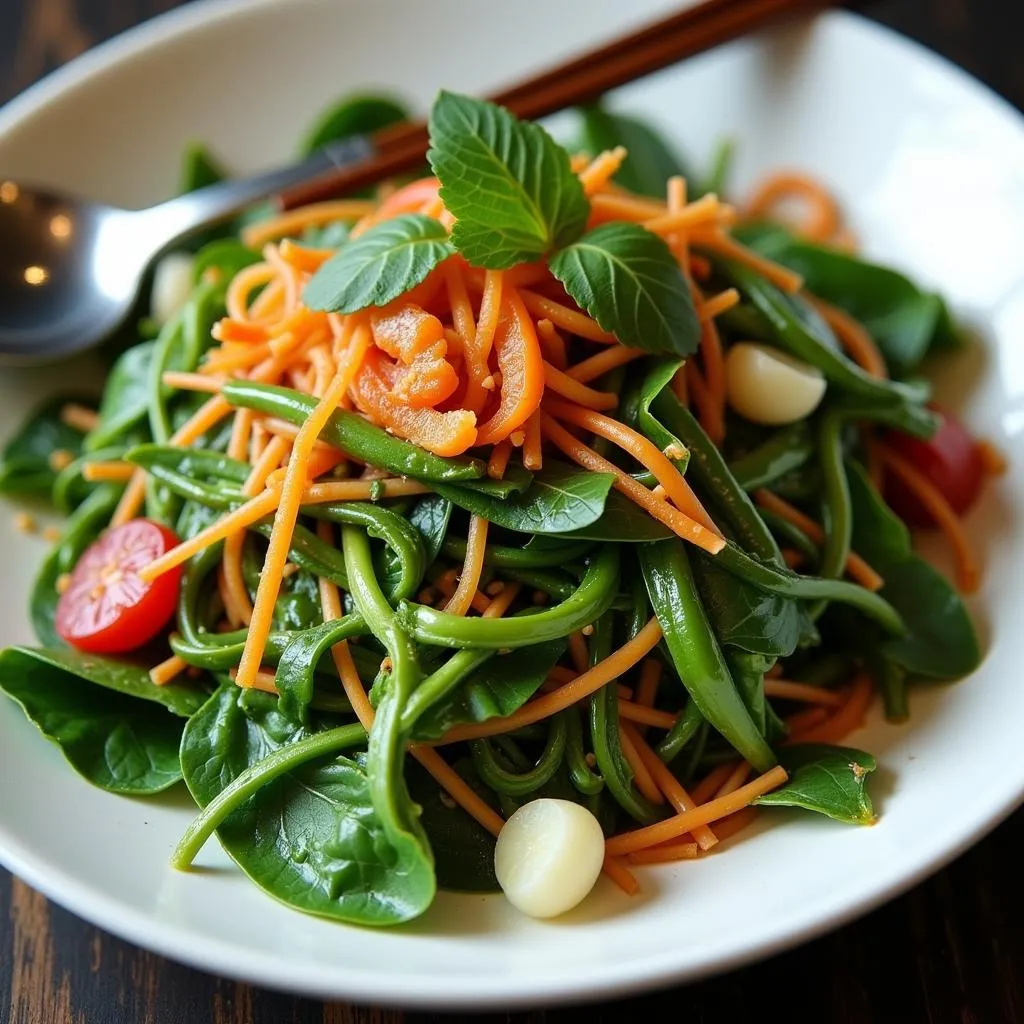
{"x":950,"y":460}
{"x":106,"y":608}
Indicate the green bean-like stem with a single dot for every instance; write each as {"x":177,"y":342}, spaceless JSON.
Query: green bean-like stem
{"x":441,"y":682}
{"x":581,"y":775}
{"x":677,"y":738}
{"x":501,"y":780}
{"x":522,"y":558}
{"x":254,"y":778}
{"x":838,"y":508}
{"x":784,"y":451}
{"x":592,"y":598}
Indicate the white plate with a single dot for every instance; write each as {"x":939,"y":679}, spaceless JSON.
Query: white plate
{"x":932,"y":167}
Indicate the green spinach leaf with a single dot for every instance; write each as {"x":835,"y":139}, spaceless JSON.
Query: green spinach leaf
{"x":828,"y":780}
{"x":113,"y":740}
{"x":386,"y":261}
{"x":431,"y":515}
{"x":506,"y":182}
{"x":627,"y":279}
{"x":25,"y":466}
{"x":126,"y":396}
{"x":354,"y":115}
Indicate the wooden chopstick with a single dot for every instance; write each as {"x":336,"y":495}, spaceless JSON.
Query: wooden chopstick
{"x":580,"y":80}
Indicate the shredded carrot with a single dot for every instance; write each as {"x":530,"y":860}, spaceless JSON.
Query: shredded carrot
{"x":615,"y":665}
{"x":264,"y":679}
{"x":469,"y":578}
{"x":967,"y":571}
{"x":484,"y":339}
{"x":667,"y":853}
{"x":498,"y":462}
{"x":362,"y":490}
{"x":726,"y":828}
{"x":561,"y":316}
{"x":107,"y":472}
{"x":572,"y":389}
{"x":803,"y":720}
{"x":459,"y":790}
{"x":24,"y":523}
{"x":680,"y":523}
{"x":552,"y":344}
{"x":59,"y":459}
{"x":294,"y":222}
{"x":718,"y":241}
{"x":713,"y":415}
{"x":849,"y":717}
{"x":620,"y":875}
{"x":736,"y":778}
{"x":703,"y":212}
{"x":228,"y":330}
{"x":503,"y":601}
{"x":601,"y":169}
{"x":578,"y":652}
{"x":786,"y":690}
{"x":855,"y":565}
{"x":598,"y":365}
{"x":711,"y":783}
{"x":642,"y":778}
{"x":239,"y":519}
{"x":288,"y":508}
{"x":191,"y":381}
{"x":304,"y":258}
{"x":821,"y":221}
{"x":718,"y":304}
{"x":670,"y":786}
{"x":533,"y":455}
{"x":167,"y":671}
{"x":704,"y":814}
{"x":605,"y":206}
{"x":643,"y":450}
{"x":79,"y":417}
{"x":643,"y":715}
{"x":853,"y":336}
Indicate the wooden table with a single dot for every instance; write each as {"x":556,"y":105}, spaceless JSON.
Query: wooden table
{"x":950,"y":950}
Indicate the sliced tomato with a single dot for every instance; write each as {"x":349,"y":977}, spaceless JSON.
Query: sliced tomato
{"x":951,"y":462}
{"x":106,"y":608}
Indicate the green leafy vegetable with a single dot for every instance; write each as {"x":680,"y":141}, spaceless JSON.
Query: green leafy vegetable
{"x":126,"y":396}
{"x":651,"y":162}
{"x":385,"y":262}
{"x":627,"y":279}
{"x":355,"y":115}
{"x":825,"y":779}
{"x":199,"y":168}
{"x":506,"y":182}
{"x":25,"y":466}
{"x":109,"y":736}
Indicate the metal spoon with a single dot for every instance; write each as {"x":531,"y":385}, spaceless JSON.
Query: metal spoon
{"x":71,"y":269}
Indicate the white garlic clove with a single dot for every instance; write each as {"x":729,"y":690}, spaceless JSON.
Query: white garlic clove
{"x":548,"y":856}
{"x":767,"y":386}
{"x":172,"y":285}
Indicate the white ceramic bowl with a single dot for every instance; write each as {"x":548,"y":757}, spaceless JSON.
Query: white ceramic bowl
{"x":931,"y":166}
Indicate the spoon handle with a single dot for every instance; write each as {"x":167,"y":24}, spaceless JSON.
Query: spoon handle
{"x":166,"y":223}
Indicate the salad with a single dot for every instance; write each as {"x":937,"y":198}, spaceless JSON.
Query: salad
{"x":540,"y":517}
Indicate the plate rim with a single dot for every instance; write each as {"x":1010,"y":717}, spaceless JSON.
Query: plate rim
{"x":423,"y":990}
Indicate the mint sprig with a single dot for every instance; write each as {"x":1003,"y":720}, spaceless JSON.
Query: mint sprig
{"x":627,"y":279}
{"x":506,"y":182}
{"x":385,"y":262}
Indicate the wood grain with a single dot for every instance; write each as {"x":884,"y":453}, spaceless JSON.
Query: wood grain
{"x":949,"y":952}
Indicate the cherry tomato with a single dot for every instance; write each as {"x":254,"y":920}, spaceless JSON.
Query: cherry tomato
{"x":106,"y":608}
{"x":949,"y":459}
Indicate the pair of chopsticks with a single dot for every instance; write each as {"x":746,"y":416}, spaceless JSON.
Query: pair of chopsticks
{"x":580,"y":80}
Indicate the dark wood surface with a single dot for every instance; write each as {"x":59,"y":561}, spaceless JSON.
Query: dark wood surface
{"x":951,"y":950}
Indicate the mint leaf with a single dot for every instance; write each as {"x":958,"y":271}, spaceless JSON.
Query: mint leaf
{"x":627,"y":279}
{"x":507,"y":183}
{"x":386,"y":261}
{"x":828,"y":780}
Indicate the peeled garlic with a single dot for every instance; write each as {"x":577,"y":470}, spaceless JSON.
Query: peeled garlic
{"x":768,"y":386}
{"x":548,"y":856}
{"x":172,"y":285}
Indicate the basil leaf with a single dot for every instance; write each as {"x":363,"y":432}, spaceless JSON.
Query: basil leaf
{"x":627,"y":279}
{"x":502,"y":685}
{"x":385,"y":262}
{"x":560,"y":499}
{"x":651,"y":162}
{"x":126,"y":396}
{"x":430,"y":515}
{"x":355,"y":115}
{"x":828,"y":780}
{"x":25,"y":462}
{"x":114,"y":741}
{"x":506,"y":182}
